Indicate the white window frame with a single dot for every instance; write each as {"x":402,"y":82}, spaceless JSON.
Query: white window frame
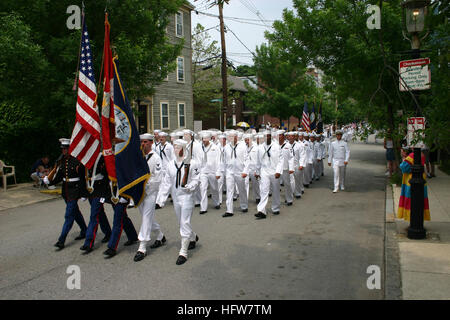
{"x":184,"y":71}
{"x":178,"y":113}
{"x":176,"y":24}
{"x":161,"y":114}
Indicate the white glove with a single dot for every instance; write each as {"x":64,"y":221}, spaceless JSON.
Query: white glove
{"x":46,"y":181}
{"x":189,"y":188}
{"x":83,"y":199}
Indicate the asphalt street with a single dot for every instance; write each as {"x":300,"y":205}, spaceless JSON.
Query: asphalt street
{"x":319,"y":248}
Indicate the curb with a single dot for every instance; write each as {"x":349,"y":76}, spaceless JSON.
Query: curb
{"x":392,"y":272}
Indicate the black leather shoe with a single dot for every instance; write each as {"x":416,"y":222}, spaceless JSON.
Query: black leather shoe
{"x":217,"y":207}
{"x":276,"y":213}
{"x":203,"y":212}
{"x":244,"y":210}
{"x":289,"y":203}
{"x":87,"y":250}
{"x":209,"y":196}
{"x":129,"y":243}
{"x":303,"y":192}
{"x":139,"y":256}
{"x":306,"y":185}
{"x":197,"y":205}
{"x":298,"y":197}
{"x":110,"y":253}
{"x":227,"y":214}
{"x":260,"y":215}
{"x":157,"y":206}
{"x":234,"y":199}
{"x":257,"y":201}
{"x":80,"y":237}
{"x":105,"y":239}
{"x":193,"y":243}
{"x":270,"y":194}
{"x":59,"y":245}
{"x":181,"y":260}
{"x":158,"y":243}
{"x":84,"y":248}
{"x":322,"y":174}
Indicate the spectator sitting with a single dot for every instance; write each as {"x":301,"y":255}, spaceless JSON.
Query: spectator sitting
{"x":40,"y":169}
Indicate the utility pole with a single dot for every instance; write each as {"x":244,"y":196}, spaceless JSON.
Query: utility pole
{"x":224,"y":67}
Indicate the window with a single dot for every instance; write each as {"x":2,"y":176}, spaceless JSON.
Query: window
{"x":179,"y":24}
{"x":164,"y":115}
{"x":180,"y":69}
{"x":181,"y":115}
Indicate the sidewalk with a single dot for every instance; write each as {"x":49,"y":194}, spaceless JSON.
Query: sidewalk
{"x":424,"y":264}
{"x":24,"y":194}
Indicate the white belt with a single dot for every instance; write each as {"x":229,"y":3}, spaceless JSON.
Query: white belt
{"x":71,"y":179}
{"x":98,"y":177}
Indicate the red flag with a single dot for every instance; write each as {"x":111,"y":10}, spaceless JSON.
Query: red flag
{"x":108,"y":126}
{"x":85,"y":141}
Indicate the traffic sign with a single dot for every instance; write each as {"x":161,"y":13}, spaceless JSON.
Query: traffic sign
{"x":414,"y":137}
{"x":415,"y":74}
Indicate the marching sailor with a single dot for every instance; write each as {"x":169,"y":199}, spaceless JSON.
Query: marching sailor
{"x":338,"y":156}
{"x":183,"y":175}
{"x":147,"y":206}
{"x":222,"y":142}
{"x":165,"y":152}
{"x":235,"y":165}
{"x":252,"y":150}
{"x":269,"y":166}
{"x":209,"y":173}
{"x":307,"y":172}
{"x":72,"y":173}
{"x":288,"y":166}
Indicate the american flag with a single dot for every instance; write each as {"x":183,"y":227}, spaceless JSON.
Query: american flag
{"x":85,"y":141}
{"x":305,"y":117}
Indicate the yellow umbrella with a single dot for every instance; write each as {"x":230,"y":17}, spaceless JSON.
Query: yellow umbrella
{"x":243,"y":124}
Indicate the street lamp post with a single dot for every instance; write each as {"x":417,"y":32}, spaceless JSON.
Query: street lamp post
{"x":415,"y":12}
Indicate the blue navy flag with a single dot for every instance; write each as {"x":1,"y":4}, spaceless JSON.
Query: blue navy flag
{"x":319,"y":120}
{"x":312,"y":118}
{"x":131,"y":168}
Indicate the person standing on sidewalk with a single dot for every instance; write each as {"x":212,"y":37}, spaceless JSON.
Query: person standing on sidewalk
{"x":72,"y":173}
{"x":404,"y":205}
{"x":339,"y":155}
{"x":390,"y":156}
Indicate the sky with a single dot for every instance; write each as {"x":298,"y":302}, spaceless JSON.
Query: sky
{"x":251,"y":33}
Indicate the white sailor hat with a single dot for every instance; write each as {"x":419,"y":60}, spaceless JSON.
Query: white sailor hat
{"x":147,"y":136}
{"x":173,"y":134}
{"x":187,"y":131}
{"x":156,"y":131}
{"x":338,"y":132}
{"x":301,"y":133}
{"x":65,"y":143}
{"x":180,"y":142}
{"x":221,"y":136}
{"x":247,"y":136}
{"x":205,"y":134}
{"x":280,"y":132}
{"x":292,"y":133}
{"x":163,"y":134}
{"x":231,"y":133}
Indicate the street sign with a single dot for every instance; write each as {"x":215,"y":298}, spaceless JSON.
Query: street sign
{"x":414,"y":138}
{"x":415,"y":74}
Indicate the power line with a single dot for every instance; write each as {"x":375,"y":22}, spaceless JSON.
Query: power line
{"x":235,"y":18}
{"x":240,"y":41}
{"x":205,"y":30}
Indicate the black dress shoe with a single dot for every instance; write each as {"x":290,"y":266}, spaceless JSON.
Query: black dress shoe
{"x":158,"y":243}
{"x":80,"y":237}
{"x":59,"y":245}
{"x":217,"y":207}
{"x":157,"y":206}
{"x":270,"y":194}
{"x":193,"y":243}
{"x":197,"y":205}
{"x":105,"y":239}
{"x":209,"y":196}
{"x":260,"y":215}
{"x":298,"y":197}
{"x":276,"y":213}
{"x":244,"y":210}
{"x":234,"y":199}
{"x":87,"y":250}
{"x":289,"y":203}
{"x":257,"y":201}
{"x":110,"y":253}
{"x":303,"y":192}
{"x":227,"y":214}
{"x":129,"y":243}
{"x":181,"y":260}
{"x":306,"y":185}
{"x":203,"y":212}
{"x":139,"y":256}
{"x":84,"y":248}
{"x":322,"y":174}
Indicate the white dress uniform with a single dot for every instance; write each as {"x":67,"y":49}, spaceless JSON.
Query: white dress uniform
{"x":221,"y":181}
{"x":269,"y":161}
{"x":166,"y":154}
{"x":288,"y":165}
{"x":195,"y":152}
{"x":208,"y":173}
{"x":307,"y":172}
{"x":299,"y":160}
{"x":338,"y":154}
{"x":252,"y":154}
{"x":183,"y":198}
{"x":147,"y":206}
{"x":317,"y":158}
{"x":235,"y":163}
{"x":323,"y":150}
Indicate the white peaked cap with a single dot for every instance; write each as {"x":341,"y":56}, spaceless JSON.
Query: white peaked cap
{"x":64,"y":142}
{"x":180,"y":142}
{"x":147,"y":136}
